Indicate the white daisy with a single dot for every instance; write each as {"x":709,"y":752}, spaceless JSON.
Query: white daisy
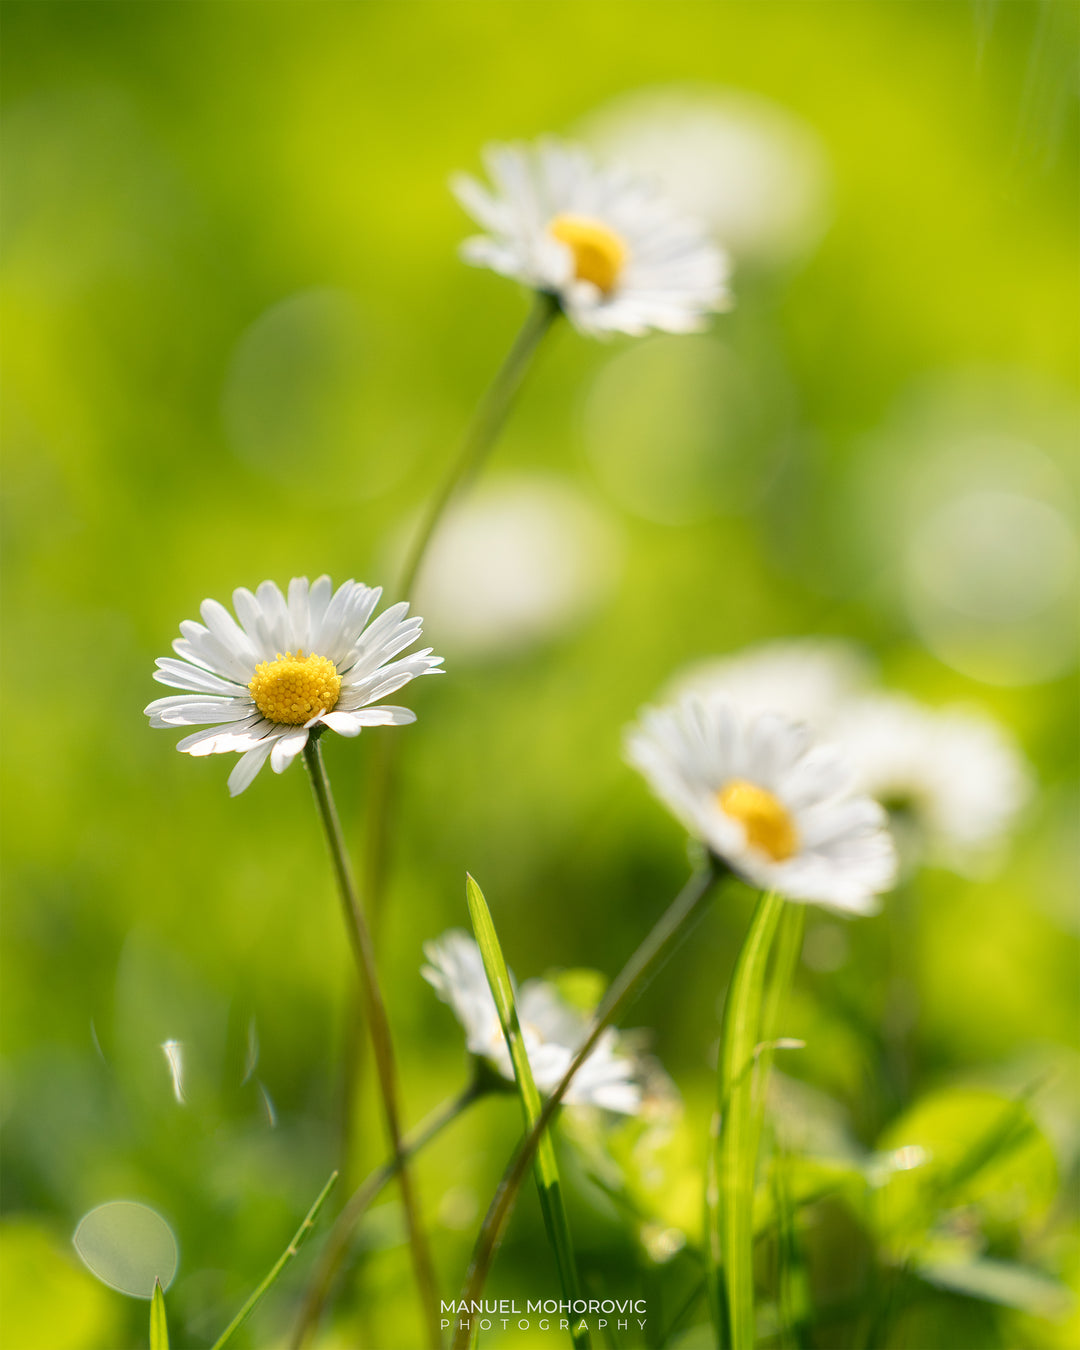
{"x":552,"y":1030}
{"x":774,"y":808}
{"x":808,"y":679}
{"x":288,"y":667}
{"x":953,"y":775}
{"x":617,"y":256}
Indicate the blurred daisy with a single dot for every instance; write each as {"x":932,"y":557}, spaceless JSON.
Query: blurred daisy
{"x":951,"y":777}
{"x":552,"y":1030}
{"x":750,"y":170}
{"x":617,"y":256}
{"x":807,"y":679}
{"x":776,"y":810}
{"x":514,"y":563}
{"x":290,"y":666}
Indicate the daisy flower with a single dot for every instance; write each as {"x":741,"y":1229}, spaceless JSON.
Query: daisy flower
{"x":288,"y":668}
{"x":774,"y":808}
{"x":618,"y":257}
{"x":808,"y":679}
{"x":551,"y":1029}
{"x":953,"y":776}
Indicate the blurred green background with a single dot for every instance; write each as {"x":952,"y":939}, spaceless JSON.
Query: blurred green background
{"x":239,"y":345}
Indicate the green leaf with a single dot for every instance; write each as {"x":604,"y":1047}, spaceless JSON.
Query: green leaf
{"x":729,"y":1196}
{"x":159,"y":1327}
{"x":546,"y":1170}
{"x":299,"y":1237}
{"x":960,"y":1148}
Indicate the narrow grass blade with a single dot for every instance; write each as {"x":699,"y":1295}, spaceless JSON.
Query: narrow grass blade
{"x":299,"y":1237}
{"x":545,"y":1169}
{"x":159,"y":1327}
{"x":736,"y":1158}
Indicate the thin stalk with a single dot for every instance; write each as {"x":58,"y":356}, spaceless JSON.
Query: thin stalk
{"x":737,"y":1146}
{"x":279,"y":1265}
{"x":379,"y":1029}
{"x":483,"y":431}
{"x":337,"y":1244}
{"x":627,"y":985}
{"x":479,"y":440}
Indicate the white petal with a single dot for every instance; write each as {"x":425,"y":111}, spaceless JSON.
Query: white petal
{"x":247,"y":767}
{"x":287,"y":747}
{"x":183,"y":675}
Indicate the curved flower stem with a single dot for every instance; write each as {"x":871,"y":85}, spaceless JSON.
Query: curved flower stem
{"x":337,"y":1244}
{"x":626,"y":986}
{"x":379,"y":1028}
{"x":479,"y":440}
{"x":488,"y":421}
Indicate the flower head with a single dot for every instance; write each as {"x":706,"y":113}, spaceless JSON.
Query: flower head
{"x":776,"y":809}
{"x":290,"y":666}
{"x":618,"y":256}
{"x":952,"y":775}
{"x":552,"y":1030}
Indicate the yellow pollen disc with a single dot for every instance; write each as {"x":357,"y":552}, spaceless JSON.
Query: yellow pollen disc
{"x":599,"y":253}
{"x":767,"y":823}
{"x":293,"y":689}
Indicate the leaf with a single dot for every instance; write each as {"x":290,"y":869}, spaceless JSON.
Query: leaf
{"x":959,"y":1147}
{"x":1003,"y":1282}
{"x":299,"y":1238}
{"x":159,"y":1327}
{"x":733,"y":1162}
{"x":546,"y":1169}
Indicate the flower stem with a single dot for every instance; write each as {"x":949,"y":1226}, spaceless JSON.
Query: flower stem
{"x":379,"y":1028}
{"x":626,"y":986}
{"x":337,"y":1244}
{"x":736,"y":1156}
{"x":479,"y":440}
{"x":483,"y":431}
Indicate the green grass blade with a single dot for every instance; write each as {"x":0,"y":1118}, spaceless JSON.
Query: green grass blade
{"x":159,"y":1327}
{"x":731,"y":1207}
{"x":299,"y":1237}
{"x":545,"y":1170}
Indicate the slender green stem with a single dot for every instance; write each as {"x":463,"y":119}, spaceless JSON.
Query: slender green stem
{"x":337,"y":1244}
{"x":483,"y":431}
{"x":737,"y":1146}
{"x":789,"y":938}
{"x":379,"y":1029}
{"x":479,"y":440}
{"x":279,"y":1265}
{"x":627,"y":985}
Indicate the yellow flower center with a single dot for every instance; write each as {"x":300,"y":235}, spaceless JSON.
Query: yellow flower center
{"x":767,"y":823}
{"x":293,"y":689}
{"x":599,"y":253}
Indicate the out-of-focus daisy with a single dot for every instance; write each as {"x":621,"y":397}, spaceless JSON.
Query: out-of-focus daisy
{"x":516,"y":562}
{"x":552,"y":1030}
{"x":751,"y":171}
{"x":951,"y":776}
{"x":618,"y":256}
{"x":806,"y":679}
{"x":289,"y":667}
{"x":777,"y":810}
